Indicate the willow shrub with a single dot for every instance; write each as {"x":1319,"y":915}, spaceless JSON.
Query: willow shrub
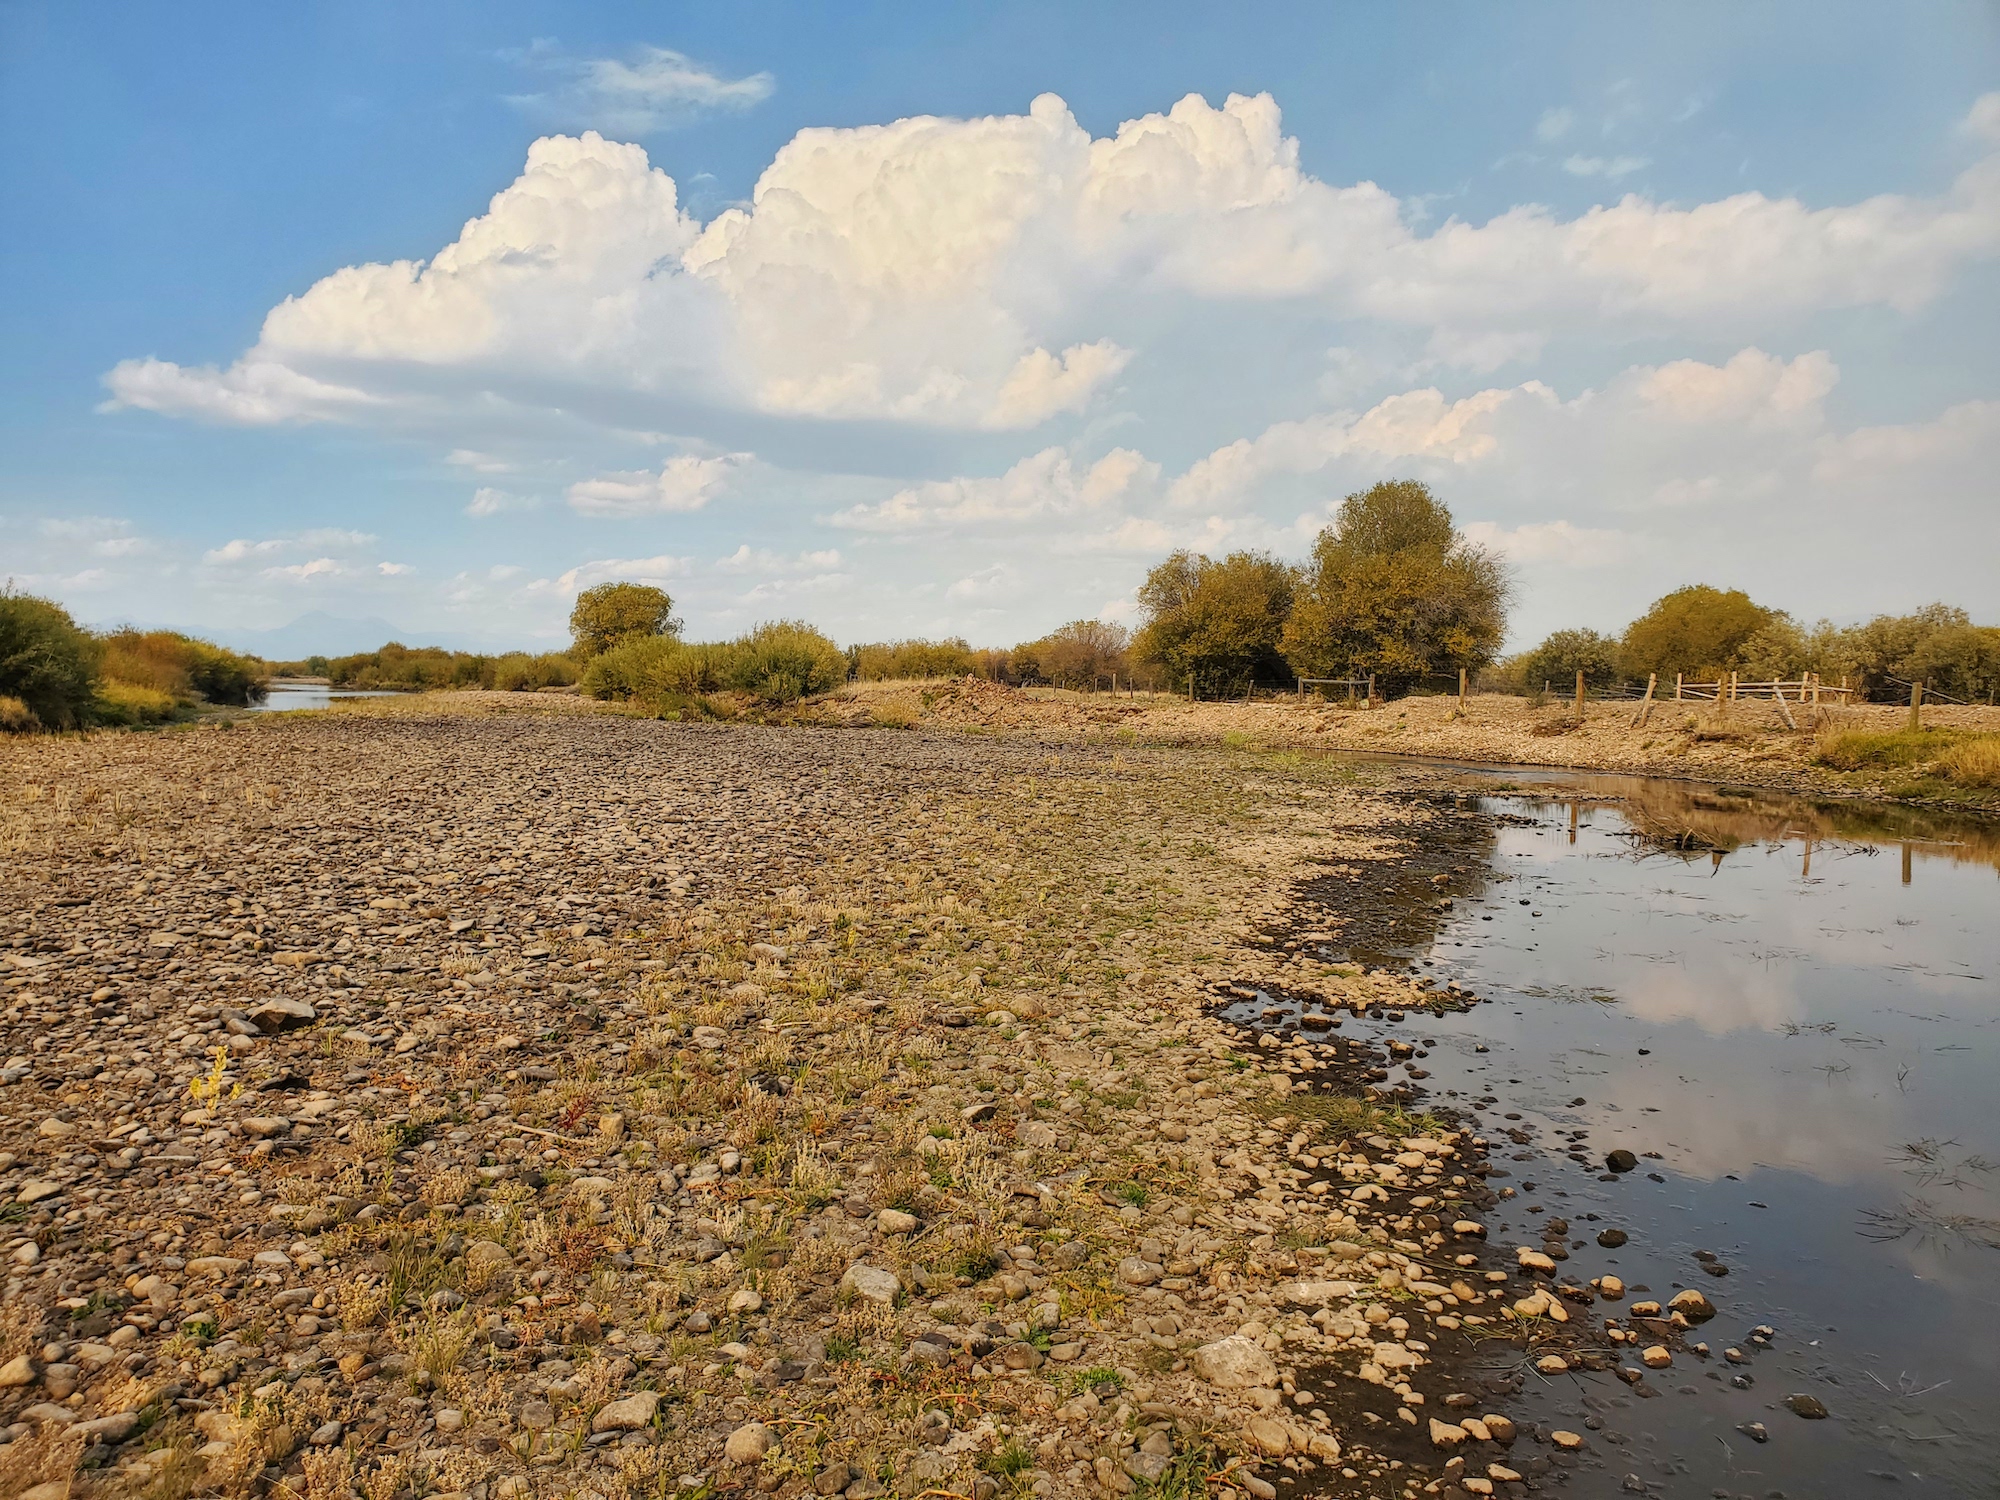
{"x":786,"y":660}
{"x":521,"y":672}
{"x":47,"y":663}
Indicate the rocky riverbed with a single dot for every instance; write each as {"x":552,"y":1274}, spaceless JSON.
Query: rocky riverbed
{"x":476,"y":1099}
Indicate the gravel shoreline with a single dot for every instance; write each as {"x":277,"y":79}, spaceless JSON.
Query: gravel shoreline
{"x":491,"y":1096}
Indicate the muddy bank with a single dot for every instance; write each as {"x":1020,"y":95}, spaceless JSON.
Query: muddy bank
{"x":1781,"y":1016}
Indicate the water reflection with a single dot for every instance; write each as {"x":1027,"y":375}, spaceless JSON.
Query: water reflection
{"x":286,"y":697}
{"x":1791,"y":1011}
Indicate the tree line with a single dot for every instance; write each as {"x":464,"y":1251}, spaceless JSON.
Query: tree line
{"x":1391,"y":592}
{"x":1703,"y":634}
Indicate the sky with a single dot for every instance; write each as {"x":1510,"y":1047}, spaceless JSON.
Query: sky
{"x":915,"y":320}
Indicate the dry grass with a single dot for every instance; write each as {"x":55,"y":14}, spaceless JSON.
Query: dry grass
{"x":438,"y":1343}
{"x":1973,"y":762}
{"x":1956,"y":755}
{"x":44,"y":1455}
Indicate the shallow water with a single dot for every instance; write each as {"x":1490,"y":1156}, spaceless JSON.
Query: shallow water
{"x":290,"y":697}
{"x":1798,"y":1031}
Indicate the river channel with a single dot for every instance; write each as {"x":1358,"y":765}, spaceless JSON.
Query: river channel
{"x":291,"y":697}
{"x":1789,"y":1012}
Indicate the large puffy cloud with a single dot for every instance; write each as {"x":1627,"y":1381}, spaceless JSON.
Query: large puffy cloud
{"x":946,"y":271}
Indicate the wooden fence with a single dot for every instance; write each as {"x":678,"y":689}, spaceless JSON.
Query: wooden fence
{"x":1806,"y":691}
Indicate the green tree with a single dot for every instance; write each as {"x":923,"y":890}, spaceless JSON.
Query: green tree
{"x":1698,"y":632}
{"x":1078,"y":654}
{"x":1394,"y":590}
{"x":1937,"y":645}
{"x":1216,"y":623}
{"x":614,"y":612}
{"x":47,"y":662}
{"x":1565,"y":653}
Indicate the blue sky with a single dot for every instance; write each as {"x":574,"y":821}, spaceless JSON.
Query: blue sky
{"x":1648,"y":294}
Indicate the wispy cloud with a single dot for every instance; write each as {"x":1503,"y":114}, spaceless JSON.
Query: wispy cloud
{"x":487,"y":501}
{"x":1555,"y":124}
{"x":651,"y":88}
{"x":1612,"y":167}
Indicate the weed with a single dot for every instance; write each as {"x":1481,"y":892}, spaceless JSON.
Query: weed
{"x":359,"y":1306}
{"x":1010,"y":1460}
{"x":438,"y":1343}
{"x":213,"y":1085}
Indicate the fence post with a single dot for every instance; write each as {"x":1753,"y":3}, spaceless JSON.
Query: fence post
{"x":1677,"y":687}
{"x":1579,"y":695}
{"x":1646,"y":703}
{"x":1371,"y":689}
{"x":1916,"y":705}
{"x":1461,"y":690}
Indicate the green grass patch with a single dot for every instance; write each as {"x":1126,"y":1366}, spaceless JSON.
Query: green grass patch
{"x":1345,"y":1115}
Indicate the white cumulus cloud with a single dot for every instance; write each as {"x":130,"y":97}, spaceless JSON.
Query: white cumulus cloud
{"x":953,"y":272}
{"x":684,"y":483}
{"x":1044,"y":484}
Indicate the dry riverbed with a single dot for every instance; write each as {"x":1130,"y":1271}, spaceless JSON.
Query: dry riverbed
{"x":490,"y":1096}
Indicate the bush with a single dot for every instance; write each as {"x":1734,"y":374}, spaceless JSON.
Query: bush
{"x":784,"y":661}
{"x":653,"y":668}
{"x":520,"y":672}
{"x":16,"y":717}
{"x":892,"y":660}
{"x":47,"y":663}
{"x":183,"y":668}
{"x":1079,"y":654}
{"x":127,"y":704}
{"x":410,"y":669}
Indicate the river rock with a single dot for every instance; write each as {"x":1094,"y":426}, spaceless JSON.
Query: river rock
{"x":1691,"y":1305}
{"x":1810,"y":1407}
{"x":279,"y":1014}
{"x":872,"y":1284}
{"x":749,"y":1443}
{"x":629,"y":1414}
{"x":1235,"y":1363}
